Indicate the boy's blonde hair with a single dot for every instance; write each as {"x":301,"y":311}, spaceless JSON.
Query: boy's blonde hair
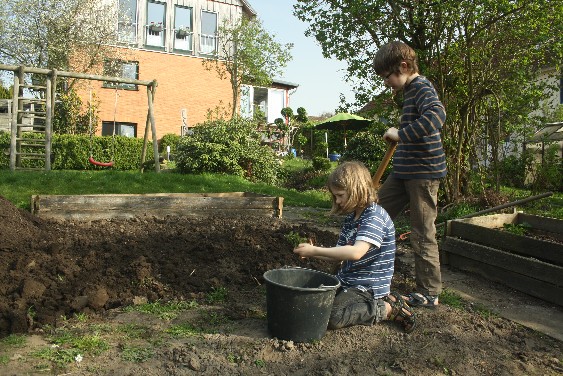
{"x":354,"y":178}
{"x":390,"y":56}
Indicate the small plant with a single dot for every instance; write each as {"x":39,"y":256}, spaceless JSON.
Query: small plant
{"x":260,"y":363}
{"x":136,"y":354}
{"x":166,"y":311}
{"x":517,"y":229}
{"x":295,"y":239}
{"x":14,"y":340}
{"x":452,"y":299}
{"x":184,"y":330}
{"x":217,"y":295}
{"x":81,"y":317}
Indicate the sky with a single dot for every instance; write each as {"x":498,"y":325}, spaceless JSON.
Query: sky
{"x":320,"y":80}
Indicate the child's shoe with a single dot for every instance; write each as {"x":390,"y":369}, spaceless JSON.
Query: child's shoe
{"x":417,"y":299}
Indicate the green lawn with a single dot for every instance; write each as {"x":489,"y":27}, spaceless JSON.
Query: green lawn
{"x":19,"y":186}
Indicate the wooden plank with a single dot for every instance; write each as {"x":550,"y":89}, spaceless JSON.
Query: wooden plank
{"x":88,"y":207}
{"x":542,"y":223}
{"x":523,"y":245}
{"x":489,"y":221}
{"x":532,"y":268}
{"x":525,"y":284}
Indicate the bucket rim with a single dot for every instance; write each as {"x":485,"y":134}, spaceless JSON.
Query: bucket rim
{"x":310,"y":289}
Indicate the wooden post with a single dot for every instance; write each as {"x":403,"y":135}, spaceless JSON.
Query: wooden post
{"x":150,"y":91}
{"x":14,"y":125}
{"x":48,"y":118}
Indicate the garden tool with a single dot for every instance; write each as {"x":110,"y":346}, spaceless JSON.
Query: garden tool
{"x":383,"y":165}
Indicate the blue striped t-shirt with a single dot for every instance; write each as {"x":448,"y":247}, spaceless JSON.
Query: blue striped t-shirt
{"x":375,"y":269}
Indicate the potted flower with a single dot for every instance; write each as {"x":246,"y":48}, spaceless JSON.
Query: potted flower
{"x":182,"y":32}
{"x":334,"y":156}
{"x":155,"y":27}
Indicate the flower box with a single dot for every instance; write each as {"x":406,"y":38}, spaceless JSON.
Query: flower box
{"x":155,"y":28}
{"x":181,"y":33}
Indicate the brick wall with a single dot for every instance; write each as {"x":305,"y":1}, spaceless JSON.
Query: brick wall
{"x":183,"y":83}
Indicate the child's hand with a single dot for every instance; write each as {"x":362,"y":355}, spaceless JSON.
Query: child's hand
{"x":304,"y":250}
{"x":392,"y":134}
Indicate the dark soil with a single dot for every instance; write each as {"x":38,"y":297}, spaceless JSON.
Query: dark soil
{"x":50,"y":271}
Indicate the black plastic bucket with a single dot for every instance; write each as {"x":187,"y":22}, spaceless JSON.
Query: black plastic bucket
{"x":299,"y":302}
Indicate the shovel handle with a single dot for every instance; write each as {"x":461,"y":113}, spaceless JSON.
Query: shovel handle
{"x":383,"y":165}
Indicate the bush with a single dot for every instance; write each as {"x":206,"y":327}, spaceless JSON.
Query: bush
{"x":367,"y":147}
{"x":231,"y":147}
{"x":169,"y":139}
{"x":321,"y":164}
{"x":71,"y":152}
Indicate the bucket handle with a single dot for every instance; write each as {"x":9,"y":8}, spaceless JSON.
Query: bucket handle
{"x":322,"y":286}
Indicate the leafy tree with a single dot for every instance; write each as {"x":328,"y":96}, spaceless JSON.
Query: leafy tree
{"x":71,"y":119}
{"x":59,"y":34}
{"x":291,"y":123}
{"x":248,"y":54}
{"x":5,"y":93}
{"x":483,"y":57}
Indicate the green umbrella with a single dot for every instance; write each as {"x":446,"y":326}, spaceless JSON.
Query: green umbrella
{"x":344,"y":121}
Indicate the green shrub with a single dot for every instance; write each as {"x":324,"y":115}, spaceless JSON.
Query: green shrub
{"x":71,"y":152}
{"x":367,"y":147}
{"x":321,"y":164}
{"x":231,"y":147}
{"x":513,"y":170}
{"x":169,"y":139}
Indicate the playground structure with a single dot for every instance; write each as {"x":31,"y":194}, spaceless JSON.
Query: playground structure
{"x":43,"y":109}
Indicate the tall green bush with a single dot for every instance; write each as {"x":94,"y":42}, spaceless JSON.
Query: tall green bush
{"x":227,"y":146}
{"x":367,"y":147}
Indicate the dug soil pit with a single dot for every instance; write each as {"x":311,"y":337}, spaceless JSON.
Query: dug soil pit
{"x":81,"y":278}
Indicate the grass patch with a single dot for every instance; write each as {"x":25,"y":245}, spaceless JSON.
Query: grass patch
{"x":165,"y":311}
{"x":13,"y":340}
{"x":451,"y":299}
{"x":136,"y":354}
{"x":184,"y":330}
{"x":19,"y":186}
{"x":217,"y":295}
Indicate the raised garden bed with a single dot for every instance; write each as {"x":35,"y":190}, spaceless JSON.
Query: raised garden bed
{"x":107,"y":206}
{"x":531,"y":263}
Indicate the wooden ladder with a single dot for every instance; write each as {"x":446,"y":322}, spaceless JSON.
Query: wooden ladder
{"x":31,"y":124}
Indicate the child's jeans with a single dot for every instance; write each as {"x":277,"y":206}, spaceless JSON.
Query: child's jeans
{"x":355,"y":307}
{"x":422,"y":195}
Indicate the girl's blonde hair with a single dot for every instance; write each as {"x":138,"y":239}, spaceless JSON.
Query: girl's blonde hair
{"x":354,"y":178}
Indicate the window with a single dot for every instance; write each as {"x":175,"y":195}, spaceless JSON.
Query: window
{"x":156,"y":27}
{"x":127,"y":23}
{"x":121,"y":69}
{"x":208,"y":37}
{"x":121,"y":129}
{"x":183,"y":28}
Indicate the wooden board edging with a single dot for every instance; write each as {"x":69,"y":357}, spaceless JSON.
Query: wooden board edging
{"x":106,"y":206}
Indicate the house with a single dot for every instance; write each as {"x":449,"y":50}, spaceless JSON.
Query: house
{"x":167,"y":41}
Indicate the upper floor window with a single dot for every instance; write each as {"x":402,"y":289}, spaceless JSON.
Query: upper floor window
{"x":183,"y":28}
{"x":156,"y":26}
{"x":127,"y":23}
{"x":122,"y":69}
{"x":208,"y":37}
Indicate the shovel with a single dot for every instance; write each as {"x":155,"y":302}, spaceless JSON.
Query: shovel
{"x":381,"y":169}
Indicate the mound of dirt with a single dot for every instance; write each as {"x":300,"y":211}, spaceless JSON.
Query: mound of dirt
{"x":50,"y":269}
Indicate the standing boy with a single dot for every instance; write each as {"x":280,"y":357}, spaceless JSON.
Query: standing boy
{"x":418,"y":165}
